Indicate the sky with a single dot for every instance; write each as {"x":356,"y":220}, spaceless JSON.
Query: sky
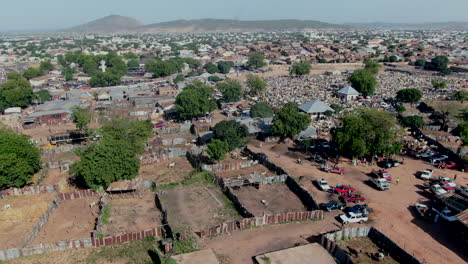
{"x":59,"y":14}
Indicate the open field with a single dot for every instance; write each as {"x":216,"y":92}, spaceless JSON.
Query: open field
{"x":162,"y":174}
{"x":17,"y":222}
{"x":278,"y":196}
{"x":131,"y":214}
{"x":72,"y":219}
{"x":197,"y":206}
{"x":393,"y":213}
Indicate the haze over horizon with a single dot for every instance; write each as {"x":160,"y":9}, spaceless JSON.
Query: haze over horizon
{"x":53,"y":14}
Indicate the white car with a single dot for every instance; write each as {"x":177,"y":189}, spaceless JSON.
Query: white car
{"x":447,"y":182}
{"x":353,"y":218}
{"x":426,"y":174}
{"x":438,"y":190}
{"x":323,"y":185}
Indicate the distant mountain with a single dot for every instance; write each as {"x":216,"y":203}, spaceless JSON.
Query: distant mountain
{"x":414,"y":26}
{"x":108,"y":24}
{"x":210,"y":25}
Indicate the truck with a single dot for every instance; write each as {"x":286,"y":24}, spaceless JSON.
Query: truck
{"x":445,"y":213}
{"x":426,"y":174}
{"x":323,"y":185}
{"x":381,"y":183}
{"x":353,"y":218}
{"x":381,"y":174}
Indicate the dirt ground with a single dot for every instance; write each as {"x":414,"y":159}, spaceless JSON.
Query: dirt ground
{"x":280,"y":199}
{"x":196,"y":207}
{"x":368,"y":247}
{"x":163,"y":174}
{"x":42,"y":133}
{"x":17,"y":222}
{"x":71,"y":220}
{"x":131,"y":214}
{"x":394,"y":214}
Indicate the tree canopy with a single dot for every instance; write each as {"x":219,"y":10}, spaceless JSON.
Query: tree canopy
{"x":15,"y":92}
{"x":413,"y":121}
{"x":231,"y":89}
{"x":363,"y":81}
{"x":439,"y":84}
{"x":256,"y":60}
{"x":460,"y":95}
{"x":368,"y":132}
{"x":371,"y":66}
{"x":300,"y":68}
{"x":439,"y":63}
{"x":42,"y":96}
{"x":410,"y":95}
{"x":211,"y":68}
{"x":195,"y":100}
{"x":231,"y":132}
{"x":261,"y":110}
{"x":217,"y":149}
{"x":80,"y":117}
{"x":289,"y":122}
{"x":19,"y":159}
{"x":225,"y":66}
{"x":256,"y":84}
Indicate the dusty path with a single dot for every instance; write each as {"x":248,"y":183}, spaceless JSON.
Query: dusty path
{"x":393,"y":209}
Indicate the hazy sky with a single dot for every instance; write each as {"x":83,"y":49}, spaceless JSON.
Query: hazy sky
{"x":56,"y":14}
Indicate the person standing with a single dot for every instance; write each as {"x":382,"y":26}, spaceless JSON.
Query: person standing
{"x":398,"y":180}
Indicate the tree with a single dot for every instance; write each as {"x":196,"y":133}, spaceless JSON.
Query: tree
{"x":211,"y":68}
{"x":231,"y":132}
{"x":256,"y":84}
{"x":439,"y":63}
{"x":42,"y":96}
{"x":256,"y":60}
{"x":19,"y":159}
{"x":214,"y":78}
{"x":366,"y":132}
{"x":338,"y":108}
{"x":104,"y":79}
{"x":410,"y":95}
{"x":68,"y":73}
{"x":225,"y":66}
{"x":413,"y":121}
{"x":231,"y":89}
{"x":393,"y":58}
{"x":372,"y":66}
{"x":15,"y":92}
{"x":420,"y":63}
{"x":179,"y":78}
{"x":161,"y":68}
{"x":363,"y":81}
{"x":90,"y":67}
{"x":81,"y":118}
{"x":460,"y":95}
{"x":400,"y":108}
{"x":133,"y":63}
{"x":289,"y":122}
{"x":32,"y":73}
{"x":46,"y":66}
{"x":195,"y":100}
{"x":134,"y":132}
{"x":261,"y":110}
{"x":328,"y":113}
{"x":104,"y":162}
{"x":217,"y":149}
{"x":439,"y":84}
{"x":463,"y":132}
{"x":300,"y":68}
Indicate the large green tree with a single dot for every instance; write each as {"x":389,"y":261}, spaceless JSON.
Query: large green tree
{"x":438,"y":63}
{"x":289,"y":122}
{"x":300,"y":68}
{"x":256,"y":60}
{"x":368,"y":132}
{"x":231,"y":89}
{"x":410,"y":95}
{"x":225,"y":66}
{"x":195,"y":100}
{"x":19,"y":159}
{"x":32,"y":72}
{"x":256,"y":84}
{"x":81,"y":117}
{"x":42,"y":96}
{"x":15,"y":92}
{"x":372,"y":66}
{"x":363,"y":81}
{"x":261,"y":110}
{"x":413,"y":121}
{"x":231,"y":132}
{"x":211,"y":68}
{"x":217,"y":149}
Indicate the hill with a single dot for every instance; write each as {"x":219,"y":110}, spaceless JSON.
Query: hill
{"x":109,"y":24}
{"x":209,"y":25}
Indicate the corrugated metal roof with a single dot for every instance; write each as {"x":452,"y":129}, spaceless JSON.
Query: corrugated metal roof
{"x":463,"y":217}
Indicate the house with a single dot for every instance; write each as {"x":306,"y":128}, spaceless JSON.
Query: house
{"x":315,"y":107}
{"x":52,"y":113}
{"x":347,"y":93}
{"x":41,"y":80}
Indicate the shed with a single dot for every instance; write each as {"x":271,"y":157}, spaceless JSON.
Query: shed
{"x":315,"y":107}
{"x":347,"y":93}
{"x":13,"y":110}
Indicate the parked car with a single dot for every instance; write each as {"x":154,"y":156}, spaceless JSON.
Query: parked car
{"x":424,"y":211}
{"x":426,"y":174}
{"x":354,"y":198}
{"x":353,"y":218}
{"x":332,"y":205}
{"x":381,"y":183}
{"x":334,"y":169}
{"x":159,"y":124}
{"x":446,"y":165}
{"x":425,"y":154}
{"x":382,"y":174}
{"x":388,"y":163}
{"x":323,"y":185}
{"x":342,"y":189}
{"x":438,"y":158}
{"x":437,"y":190}
{"x":358,"y":209}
